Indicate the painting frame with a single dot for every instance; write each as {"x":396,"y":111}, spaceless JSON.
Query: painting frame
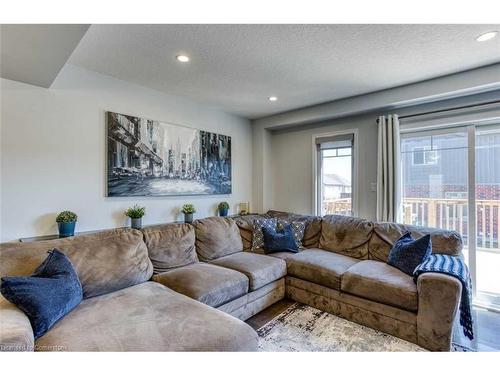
{"x":152,"y":158}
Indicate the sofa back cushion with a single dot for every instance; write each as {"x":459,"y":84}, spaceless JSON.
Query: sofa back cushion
{"x":105,"y":261}
{"x":386,"y":234}
{"x":217,"y":237}
{"x":170,"y":246}
{"x":346,"y":235}
{"x":312,"y":232}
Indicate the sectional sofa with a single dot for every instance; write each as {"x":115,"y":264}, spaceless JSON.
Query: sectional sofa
{"x":189,"y":287}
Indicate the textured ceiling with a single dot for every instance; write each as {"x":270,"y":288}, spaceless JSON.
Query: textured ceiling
{"x":237,"y":67}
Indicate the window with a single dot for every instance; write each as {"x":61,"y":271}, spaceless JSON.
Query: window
{"x":334,"y":159}
{"x":424,"y":156}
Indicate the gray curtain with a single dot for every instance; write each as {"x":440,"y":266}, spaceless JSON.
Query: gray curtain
{"x":388,"y":170}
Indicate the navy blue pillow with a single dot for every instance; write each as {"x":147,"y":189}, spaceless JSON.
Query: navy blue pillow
{"x":279,"y":241}
{"x":48,"y":295}
{"x":407,"y":252}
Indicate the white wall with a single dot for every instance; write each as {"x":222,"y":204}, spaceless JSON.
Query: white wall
{"x":290,"y":162}
{"x":53,"y":152}
{"x":292,"y":150}
{"x":282,"y":143}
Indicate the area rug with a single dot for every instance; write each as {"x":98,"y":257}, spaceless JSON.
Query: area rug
{"x":302,"y":328}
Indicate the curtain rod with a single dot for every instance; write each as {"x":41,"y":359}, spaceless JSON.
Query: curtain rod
{"x":449,"y":109}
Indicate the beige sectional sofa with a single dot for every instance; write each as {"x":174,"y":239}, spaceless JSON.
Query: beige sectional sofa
{"x":344,"y":272}
{"x":206,"y":262}
{"x":122,"y":310}
{"x":181,"y":286}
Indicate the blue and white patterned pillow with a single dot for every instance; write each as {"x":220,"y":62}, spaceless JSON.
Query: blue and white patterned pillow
{"x":257,"y":235}
{"x":298,"y":229}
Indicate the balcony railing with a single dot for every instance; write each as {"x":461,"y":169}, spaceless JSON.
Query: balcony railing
{"x":340,"y":206}
{"x":452,"y":214}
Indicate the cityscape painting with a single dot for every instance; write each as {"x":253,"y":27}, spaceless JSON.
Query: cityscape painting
{"x":153,"y":158}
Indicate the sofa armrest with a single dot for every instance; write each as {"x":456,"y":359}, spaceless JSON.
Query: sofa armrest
{"x":16,"y":333}
{"x":438,"y":299}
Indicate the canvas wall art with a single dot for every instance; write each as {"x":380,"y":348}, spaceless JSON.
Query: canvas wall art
{"x":153,"y":158}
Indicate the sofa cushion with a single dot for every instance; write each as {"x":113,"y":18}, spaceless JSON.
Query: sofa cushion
{"x":245,"y":225}
{"x":346,"y":235}
{"x":260,"y":269}
{"x":276,"y":242}
{"x":386,"y":234}
{"x":298,"y":228}
{"x":148,"y":317}
{"x":170,"y":246}
{"x":16,"y":333}
{"x":408,"y":253}
{"x":319,"y":266}
{"x":312,"y":231}
{"x":48,"y":295}
{"x":207,"y":283}
{"x":381,"y":282}
{"x":217,"y":237}
{"x":258,"y":233}
{"x":281,"y":255}
{"x":105,"y":261}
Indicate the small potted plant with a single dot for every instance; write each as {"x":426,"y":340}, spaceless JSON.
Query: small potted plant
{"x":66,"y":222}
{"x":223,"y":208}
{"x":135,"y":213}
{"x":188,"y":210}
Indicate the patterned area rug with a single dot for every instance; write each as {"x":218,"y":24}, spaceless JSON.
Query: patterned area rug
{"x":302,"y":328}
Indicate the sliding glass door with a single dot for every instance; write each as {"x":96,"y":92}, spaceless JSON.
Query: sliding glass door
{"x":487,"y":197}
{"x":451,"y":180}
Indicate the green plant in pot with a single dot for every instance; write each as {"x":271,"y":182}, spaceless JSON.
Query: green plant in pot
{"x":188,"y":210}
{"x":223,"y":208}
{"x":66,"y":222}
{"x":135,"y":213}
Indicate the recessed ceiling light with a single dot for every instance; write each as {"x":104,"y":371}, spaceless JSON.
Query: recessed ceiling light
{"x":182,"y":58}
{"x":273,"y":98}
{"x":487,"y":36}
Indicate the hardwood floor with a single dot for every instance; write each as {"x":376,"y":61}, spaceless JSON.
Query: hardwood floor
{"x":486,"y":331}
{"x":266,"y":315}
{"x":486,"y":326}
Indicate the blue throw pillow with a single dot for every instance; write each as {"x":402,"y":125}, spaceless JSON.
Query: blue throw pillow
{"x":407,"y":253}
{"x":279,"y":241}
{"x":48,"y":295}
{"x":257,"y":235}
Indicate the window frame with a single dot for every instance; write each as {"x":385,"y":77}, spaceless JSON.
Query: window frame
{"x":316,"y":172}
{"x":425,"y":152}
